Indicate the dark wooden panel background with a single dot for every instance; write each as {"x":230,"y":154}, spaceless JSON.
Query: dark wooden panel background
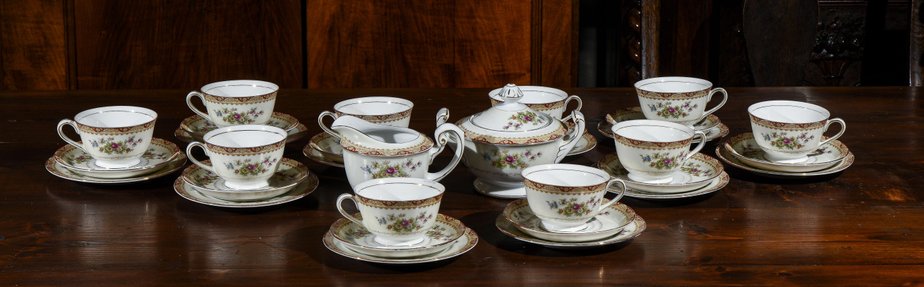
{"x":33,"y":49}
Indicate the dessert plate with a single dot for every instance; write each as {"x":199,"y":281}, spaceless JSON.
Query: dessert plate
{"x":744,"y":148}
{"x":193,"y":128}
{"x":355,"y":237}
{"x":160,"y":154}
{"x":695,"y":173}
{"x":632,"y":230}
{"x":59,"y":170}
{"x":189,"y":192}
{"x":716,"y":184}
{"x":458,"y":247}
{"x":726,"y":157}
{"x":603,"y":225}
{"x":586,"y":143}
{"x":323,"y":148}
{"x":711,"y":125}
{"x":497,"y":191}
{"x":289,"y":174}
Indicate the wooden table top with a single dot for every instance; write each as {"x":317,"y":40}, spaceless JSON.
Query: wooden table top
{"x":863,"y":226}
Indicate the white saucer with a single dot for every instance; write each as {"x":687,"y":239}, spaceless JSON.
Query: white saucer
{"x":726,"y":157}
{"x":446,"y":231}
{"x":458,"y":247}
{"x":711,"y":125}
{"x":744,"y":148}
{"x":716,"y":184}
{"x":632,"y":230}
{"x":695,"y":173}
{"x":188,"y":191}
{"x":497,"y":191}
{"x":323,"y":148}
{"x":59,"y":170}
{"x":159,"y":154}
{"x":289,"y":174}
{"x":586,"y":143}
{"x":193,"y":128}
{"x":603,"y":225}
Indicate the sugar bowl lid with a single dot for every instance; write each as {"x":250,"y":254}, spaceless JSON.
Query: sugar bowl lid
{"x":511,"y":122}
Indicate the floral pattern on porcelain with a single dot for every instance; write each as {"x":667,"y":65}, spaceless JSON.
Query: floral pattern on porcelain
{"x":385,"y":169}
{"x":439,"y":233}
{"x":247,"y":167}
{"x":82,"y":158}
{"x":668,"y":110}
{"x":504,"y":159}
{"x":111,"y":146}
{"x":662,"y":160}
{"x":232,"y":116}
{"x":402,"y":223}
{"x":571,"y":207}
{"x":356,"y":233}
{"x":519,"y":119}
{"x":781,"y":140}
{"x":695,"y":169}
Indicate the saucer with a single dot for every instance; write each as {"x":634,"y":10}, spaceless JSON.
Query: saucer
{"x":726,"y":157}
{"x":716,"y":184}
{"x":323,"y":148}
{"x":498,"y":191}
{"x":193,"y":128}
{"x":711,"y":125}
{"x":603,"y":225}
{"x":744,"y":148}
{"x":159,"y":154}
{"x":586,"y":143}
{"x":189,"y":192}
{"x":695,"y":173}
{"x":458,"y":247}
{"x":59,"y":170}
{"x":355,"y":237}
{"x":289,"y":174}
{"x":632,"y":230}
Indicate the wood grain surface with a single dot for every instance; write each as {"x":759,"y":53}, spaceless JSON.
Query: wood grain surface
{"x":861,"y":227}
{"x":33,"y":50}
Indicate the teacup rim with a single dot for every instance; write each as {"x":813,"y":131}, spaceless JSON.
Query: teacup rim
{"x":809,"y":106}
{"x":440,"y":190}
{"x":400,"y":101}
{"x":641,"y":83}
{"x":605,"y":176}
{"x":233,"y":128}
{"x":204,"y":89}
{"x":98,"y":110}
{"x":624,"y":124}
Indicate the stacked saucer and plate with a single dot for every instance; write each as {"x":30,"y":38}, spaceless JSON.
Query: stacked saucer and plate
{"x":116,"y":146}
{"x":565,"y":208}
{"x":787,"y":141}
{"x":245,"y":141}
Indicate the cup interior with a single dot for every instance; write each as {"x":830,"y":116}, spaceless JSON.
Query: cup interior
{"x":566,"y":175}
{"x":399,"y":189}
{"x":673,"y":85}
{"x":240,"y":88}
{"x":371,"y":106}
{"x":115,"y":117}
{"x":652,"y":131}
{"x":789,"y":112}
{"x":534,"y":95}
{"x":245,"y":136}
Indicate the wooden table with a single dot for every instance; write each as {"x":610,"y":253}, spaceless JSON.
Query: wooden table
{"x":864,"y":226}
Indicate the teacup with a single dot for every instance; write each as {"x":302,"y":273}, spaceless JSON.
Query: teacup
{"x":551,"y":101}
{"x":388,"y":111}
{"x":788,"y":131}
{"x":236,"y":102}
{"x":651,"y":150}
{"x":245,"y":156}
{"x":566,"y":196}
{"x":115,"y":136}
{"x":677,"y":99}
{"x":398,"y":211}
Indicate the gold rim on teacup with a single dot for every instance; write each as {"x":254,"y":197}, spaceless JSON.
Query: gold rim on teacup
{"x":235,"y":102}
{"x":677,"y":99}
{"x":788,"y":130}
{"x":398,"y":211}
{"x":116,"y":136}
{"x":245,"y":156}
{"x":566,"y":196}
{"x":652,"y":150}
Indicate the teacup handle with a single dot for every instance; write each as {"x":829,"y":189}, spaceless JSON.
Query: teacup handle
{"x":619,"y":194}
{"x":349,"y":216}
{"x":573,"y":136}
{"x":442,"y":131}
{"x":68,"y":140}
{"x":442,"y":116}
{"x":699,"y":146}
{"x":194,"y":160}
{"x":324,"y":127}
{"x":193,"y":108}
{"x":580,"y":104}
{"x":839,"y":133}
{"x":716,"y":108}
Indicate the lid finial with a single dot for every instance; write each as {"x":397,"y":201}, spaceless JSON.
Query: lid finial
{"x":511,"y":93}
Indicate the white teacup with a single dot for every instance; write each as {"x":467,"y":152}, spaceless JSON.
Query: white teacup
{"x":651,"y":150}
{"x":236,"y":102}
{"x":398,"y":211}
{"x":677,"y":99}
{"x":388,"y":111}
{"x":551,"y":101}
{"x":788,"y":131}
{"x":566,"y":196}
{"x":115,"y":136}
{"x":245,"y":156}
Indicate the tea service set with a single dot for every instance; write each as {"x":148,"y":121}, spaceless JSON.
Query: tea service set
{"x":513,"y":148}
